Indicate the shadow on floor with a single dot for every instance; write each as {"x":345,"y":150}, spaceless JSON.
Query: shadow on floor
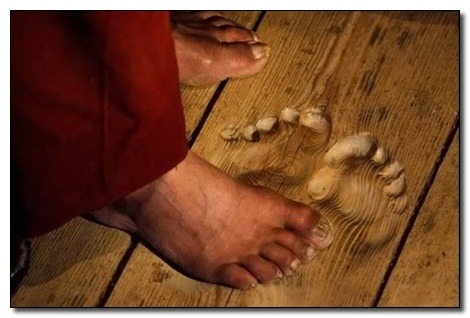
{"x":77,"y":242}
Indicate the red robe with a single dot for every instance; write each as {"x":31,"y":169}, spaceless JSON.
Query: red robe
{"x":95,"y":110}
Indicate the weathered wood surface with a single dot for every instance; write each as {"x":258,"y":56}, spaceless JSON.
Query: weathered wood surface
{"x":73,"y":265}
{"x":427,"y":272}
{"x":393,"y":74}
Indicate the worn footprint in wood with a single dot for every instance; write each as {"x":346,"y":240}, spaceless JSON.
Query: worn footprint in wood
{"x":355,"y":184}
{"x":359,"y":182}
{"x":284,"y":146}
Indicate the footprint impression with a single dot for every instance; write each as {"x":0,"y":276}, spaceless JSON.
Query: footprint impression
{"x":353,"y":182}
{"x":285,"y":145}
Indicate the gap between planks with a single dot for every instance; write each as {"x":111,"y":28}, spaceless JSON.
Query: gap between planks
{"x":420,"y":201}
{"x":191,"y":140}
{"x":217,"y":93}
{"x":365,"y":124}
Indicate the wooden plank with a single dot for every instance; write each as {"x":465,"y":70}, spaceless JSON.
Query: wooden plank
{"x":147,"y":281}
{"x":394,"y":74}
{"x":382,"y":78}
{"x":427,"y":272}
{"x":384,"y":81}
{"x":177,"y":290}
{"x":144,"y":262}
{"x":73,"y":265}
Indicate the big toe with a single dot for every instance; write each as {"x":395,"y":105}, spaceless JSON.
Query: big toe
{"x":237,"y":59}
{"x":310,"y":224}
{"x":230,"y":33}
{"x":245,"y":59}
{"x":206,"y":61}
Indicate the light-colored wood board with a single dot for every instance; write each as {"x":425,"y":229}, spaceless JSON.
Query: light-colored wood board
{"x":397,"y":77}
{"x":147,"y":281}
{"x":387,"y":81}
{"x":196,"y":99}
{"x":178,"y":290}
{"x":73,"y":265}
{"x":164,"y":286}
{"x":427,"y":272}
{"x":377,"y":72}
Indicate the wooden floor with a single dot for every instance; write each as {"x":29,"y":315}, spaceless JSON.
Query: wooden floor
{"x":395,"y":75}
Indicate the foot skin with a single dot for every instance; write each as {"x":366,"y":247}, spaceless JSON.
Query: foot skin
{"x":210,"y":48}
{"x":218,"y":230}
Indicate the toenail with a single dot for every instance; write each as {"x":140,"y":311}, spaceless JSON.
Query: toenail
{"x":260,"y":51}
{"x":252,"y":285}
{"x":295,"y":265}
{"x":277,"y":278}
{"x":255,"y":37}
{"x":322,"y":234}
{"x":311,"y":253}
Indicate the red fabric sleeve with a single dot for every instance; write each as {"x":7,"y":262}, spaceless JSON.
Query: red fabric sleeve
{"x":96,"y":110}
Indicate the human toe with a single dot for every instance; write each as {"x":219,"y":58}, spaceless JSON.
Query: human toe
{"x":241,"y":59}
{"x":302,"y":248}
{"x":234,"y":275}
{"x":230,"y":33}
{"x":264,"y":270}
{"x":282,"y":257}
{"x":310,"y":224}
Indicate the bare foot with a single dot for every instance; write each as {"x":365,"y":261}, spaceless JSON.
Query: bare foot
{"x":219,"y":230}
{"x":211,"y":48}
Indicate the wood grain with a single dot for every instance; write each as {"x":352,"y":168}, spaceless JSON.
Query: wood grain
{"x":158,"y":284}
{"x":147,"y":281}
{"x":383,"y":78}
{"x":73,"y":265}
{"x":393,"y":74}
{"x":135,"y":285}
{"x":427,"y":272}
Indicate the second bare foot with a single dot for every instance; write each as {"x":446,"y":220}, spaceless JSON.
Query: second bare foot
{"x":210,"y":48}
